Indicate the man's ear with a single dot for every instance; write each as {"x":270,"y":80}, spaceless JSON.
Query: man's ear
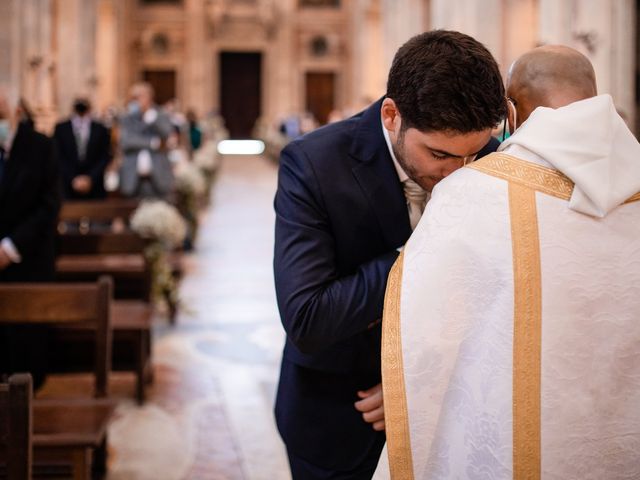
{"x":390,"y":115}
{"x":511,"y":115}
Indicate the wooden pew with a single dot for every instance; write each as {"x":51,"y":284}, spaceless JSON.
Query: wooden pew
{"x":86,"y":257}
{"x":87,"y":212}
{"x":82,"y":305}
{"x":16,"y":421}
{"x":66,"y":430}
{"x":70,"y":433}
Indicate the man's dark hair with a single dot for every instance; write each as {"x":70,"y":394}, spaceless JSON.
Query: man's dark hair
{"x":81,"y":106}
{"x":444,"y":80}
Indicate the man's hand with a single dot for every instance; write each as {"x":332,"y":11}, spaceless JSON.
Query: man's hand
{"x":372,"y":407}
{"x":81,"y":184}
{"x":5,"y":261}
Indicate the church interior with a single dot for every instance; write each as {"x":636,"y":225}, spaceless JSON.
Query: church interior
{"x":180,"y":379}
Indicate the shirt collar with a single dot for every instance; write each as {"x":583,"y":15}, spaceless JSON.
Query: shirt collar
{"x":9,"y":143}
{"x":402,"y":175}
{"x":80,"y":122}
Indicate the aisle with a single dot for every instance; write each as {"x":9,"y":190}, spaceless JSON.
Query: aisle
{"x":209,"y":414}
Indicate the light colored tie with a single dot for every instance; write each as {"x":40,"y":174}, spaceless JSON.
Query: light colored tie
{"x":82,"y":139}
{"x":416,"y":200}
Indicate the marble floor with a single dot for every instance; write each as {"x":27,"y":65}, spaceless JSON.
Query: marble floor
{"x":209,"y":412}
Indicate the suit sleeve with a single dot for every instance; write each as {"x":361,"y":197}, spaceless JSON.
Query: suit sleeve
{"x":318,"y":307}
{"x":104,"y":155}
{"x":42,"y":219}
{"x":64,"y":164}
{"x":132,"y":141}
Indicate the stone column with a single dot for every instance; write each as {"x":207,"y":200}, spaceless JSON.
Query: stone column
{"x":482,"y":20}
{"x":27,"y":58}
{"x":285,"y":84}
{"x":604,"y":30}
{"x":11,"y":62}
{"x":106,"y":55}
{"x":402,"y":19}
{"x":198,"y":68}
{"x":369,"y":68}
{"x":520,"y":30}
{"x":76,"y":51}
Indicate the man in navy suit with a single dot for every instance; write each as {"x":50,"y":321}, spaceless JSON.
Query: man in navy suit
{"x":84,"y":151}
{"x":348,"y":197}
{"x":29,"y":205}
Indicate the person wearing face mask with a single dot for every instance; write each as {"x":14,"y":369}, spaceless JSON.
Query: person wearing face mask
{"x":510,"y":329}
{"x":29,"y":205}
{"x":349,"y":195}
{"x":144,"y":130}
{"x":84,"y":151}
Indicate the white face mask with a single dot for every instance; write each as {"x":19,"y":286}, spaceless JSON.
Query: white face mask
{"x":5,"y":131}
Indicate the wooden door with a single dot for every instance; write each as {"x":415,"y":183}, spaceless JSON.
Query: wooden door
{"x":320,"y":88}
{"x":240,"y":91}
{"x":164,"y":84}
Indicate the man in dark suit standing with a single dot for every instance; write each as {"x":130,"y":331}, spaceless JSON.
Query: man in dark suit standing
{"x":348,"y":197}
{"x":29,"y":204}
{"x":83,"y":152}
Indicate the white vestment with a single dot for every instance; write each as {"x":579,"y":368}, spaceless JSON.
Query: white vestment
{"x":511,"y":332}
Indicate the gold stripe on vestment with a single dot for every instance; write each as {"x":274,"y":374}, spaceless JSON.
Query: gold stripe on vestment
{"x":525,"y":179}
{"x":527,"y":332}
{"x":542,"y":179}
{"x":393,"y":387}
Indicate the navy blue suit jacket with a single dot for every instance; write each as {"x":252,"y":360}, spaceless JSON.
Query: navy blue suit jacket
{"x":94,"y":165}
{"x":340,"y":216}
{"x":29,"y":205}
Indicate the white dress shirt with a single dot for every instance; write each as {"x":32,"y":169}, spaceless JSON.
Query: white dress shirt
{"x":416,"y":197}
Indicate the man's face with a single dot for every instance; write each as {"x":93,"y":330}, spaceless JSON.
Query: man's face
{"x":428,"y":157}
{"x":142,"y":96}
{"x":5,"y":110}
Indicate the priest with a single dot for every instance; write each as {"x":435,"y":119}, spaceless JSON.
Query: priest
{"x":512,"y":319}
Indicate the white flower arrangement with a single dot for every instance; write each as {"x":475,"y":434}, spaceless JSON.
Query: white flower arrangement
{"x":206,"y":157}
{"x":159,"y":221}
{"x":190,"y":181}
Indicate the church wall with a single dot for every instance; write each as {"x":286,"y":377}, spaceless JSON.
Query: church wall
{"x":605,"y":32}
{"x":75,"y":37}
{"x":57,"y":49}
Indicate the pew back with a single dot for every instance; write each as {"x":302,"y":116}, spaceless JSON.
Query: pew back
{"x":16,"y":425}
{"x":98,"y":210}
{"x":85,"y":305}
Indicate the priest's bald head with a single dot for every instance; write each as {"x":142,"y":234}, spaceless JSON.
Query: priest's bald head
{"x":550,"y":76}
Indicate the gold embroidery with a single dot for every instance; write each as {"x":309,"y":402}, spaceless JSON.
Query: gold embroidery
{"x":635,"y":198}
{"x":527,"y":335}
{"x":543,"y":179}
{"x":537,"y":177}
{"x":395,"y":398}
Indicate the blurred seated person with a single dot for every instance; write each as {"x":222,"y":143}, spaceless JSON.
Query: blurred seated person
{"x":144,"y":130}
{"x":308,"y":123}
{"x":195,"y":134}
{"x":29,"y":204}
{"x":290,"y":126}
{"x":84,"y":151}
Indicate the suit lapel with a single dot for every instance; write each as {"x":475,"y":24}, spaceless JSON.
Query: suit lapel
{"x":90,"y":140}
{"x":16,"y":152}
{"x":378,"y":179}
{"x":71,"y":138}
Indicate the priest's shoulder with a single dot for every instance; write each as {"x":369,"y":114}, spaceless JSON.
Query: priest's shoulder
{"x":473,"y":183}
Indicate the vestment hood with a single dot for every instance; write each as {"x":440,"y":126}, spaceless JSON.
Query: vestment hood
{"x":590,"y":143}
